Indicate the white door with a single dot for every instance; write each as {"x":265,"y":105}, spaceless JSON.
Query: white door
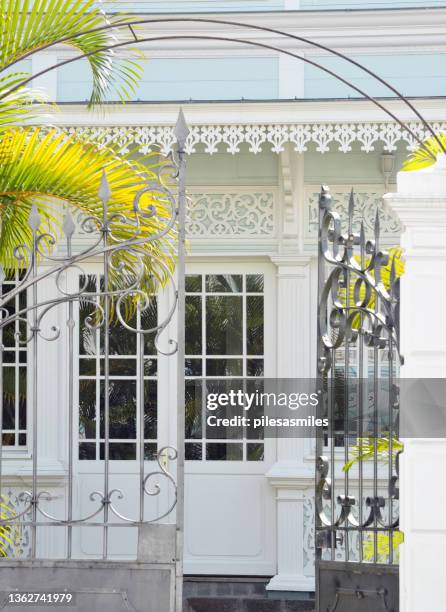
{"x":133,"y":409}
{"x":229,"y":505}
{"x":229,"y":510}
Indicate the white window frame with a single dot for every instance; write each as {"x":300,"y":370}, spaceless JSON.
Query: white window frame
{"x":214,"y":265}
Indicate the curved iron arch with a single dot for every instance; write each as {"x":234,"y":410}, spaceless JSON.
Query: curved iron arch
{"x":129,"y":23}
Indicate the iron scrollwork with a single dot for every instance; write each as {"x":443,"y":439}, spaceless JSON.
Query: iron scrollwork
{"x":358,"y":312}
{"x":129,"y":265}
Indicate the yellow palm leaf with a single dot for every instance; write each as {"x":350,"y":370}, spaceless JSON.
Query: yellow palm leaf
{"x":53,"y":170}
{"x":396,"y":261}
{"x":425,"y":156}
{"x":6,"y":530}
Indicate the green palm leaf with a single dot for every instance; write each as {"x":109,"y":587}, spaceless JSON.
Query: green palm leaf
{"x":54,"y":170}
{"x":366,"y":448}
{"x":29,"y":26}
{"x":20,"y":104}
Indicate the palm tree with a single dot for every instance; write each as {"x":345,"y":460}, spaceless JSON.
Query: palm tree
{"x":53,"y":170}
{"x":48,"y":167}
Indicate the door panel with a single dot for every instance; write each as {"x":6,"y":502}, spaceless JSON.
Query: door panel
{"x":229,"y":520}
{"x":229,"y":505}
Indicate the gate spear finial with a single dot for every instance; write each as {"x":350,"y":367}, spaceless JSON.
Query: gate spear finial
{"x":181,"y":130}
{"x":104,"y":189}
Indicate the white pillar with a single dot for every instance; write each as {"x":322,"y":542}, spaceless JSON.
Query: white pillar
{"x":291,"y":475}
{"x":421,"y":205}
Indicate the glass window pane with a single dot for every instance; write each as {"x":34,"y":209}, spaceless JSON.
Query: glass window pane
{"x":193,"y":451}
{"x":224,"y":325}
{"x":87,"y":409}
{"x":193,"y":325}
{"x":254,"y":367}
{"x":220,"y":451}
{"x":255,"y":452}
{"x":8,"y":439}
{"x":22,"y":397}
{"x":87,"y":450}
{"x":88,"y":337}
{"x":150,"y":366}
{"x":193,"y":407}
{"x":224,"y":283}
{"x":149,"y":343}
{"x":121,"y":367}
{"x":254,"y":283}
{"x":87,"y":367}
{"x":224,"y":367}
{"x":119,"y":451}
{"x":9,"y":339}
{"x":193,"y":283}
{"x":150,"y":451}
{"x":150,"y":410}
{"x":9,"y":356}
{"x":122,"y":392}
{"x":23,"y":332}
{"x":8,"y":403}
{"x":121,"y":340}
{"x":254,"y":322}
{"x":122,"y":409}
{"x":193,"y":367}
{"x":149,"y":320}
{"x":88,"y":284}
{"x":22,"y":300}
{"x":8,"y":398}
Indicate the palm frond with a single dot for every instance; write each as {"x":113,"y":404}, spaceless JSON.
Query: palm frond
{"x":366,"y":448}
{"x":396,"y":262}
{"x":22,"y":104}
{"x":54,"y":170}
{"x":383,"y":546}
{"x":425,"y":156}
{"x":31,"y":25}
{"x":6,"y":530}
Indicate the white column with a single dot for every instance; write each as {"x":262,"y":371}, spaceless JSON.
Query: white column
{"x":292,"y":474}
{"x":421,"y":205}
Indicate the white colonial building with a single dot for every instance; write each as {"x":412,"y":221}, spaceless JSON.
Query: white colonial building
{"x":266,"y":130}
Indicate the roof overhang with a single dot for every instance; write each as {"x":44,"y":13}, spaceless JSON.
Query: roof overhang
{"x":224,"y":126}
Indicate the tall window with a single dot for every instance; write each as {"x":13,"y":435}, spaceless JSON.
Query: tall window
{"x":14,"y":369}
{"x":224,"y":339}
{"x":124,"y":393}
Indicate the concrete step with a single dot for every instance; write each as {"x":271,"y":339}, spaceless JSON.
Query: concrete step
{"x":247,"y":604}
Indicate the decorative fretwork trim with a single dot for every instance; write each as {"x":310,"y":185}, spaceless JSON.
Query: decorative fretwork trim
{"x":230,"y":213}
{"x":259,"y":137}
{"x":368,"y":198}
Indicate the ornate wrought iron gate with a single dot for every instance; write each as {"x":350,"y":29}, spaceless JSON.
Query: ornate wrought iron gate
{"x":54,"y":299}
{"x":357,"y":533}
